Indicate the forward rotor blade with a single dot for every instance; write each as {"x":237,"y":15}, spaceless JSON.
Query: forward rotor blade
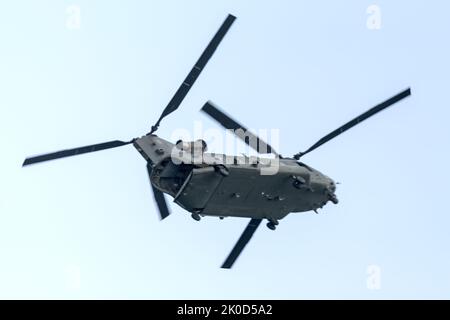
{"x":228,"y":123}
{"x":159,"y":197}
{"x":196,"y":70}
{"x":75,"y":151}
{"x":242,"y":242}
{"x":357,"y":120}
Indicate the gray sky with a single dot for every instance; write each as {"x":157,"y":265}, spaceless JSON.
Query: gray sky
{"x":87,"y":227}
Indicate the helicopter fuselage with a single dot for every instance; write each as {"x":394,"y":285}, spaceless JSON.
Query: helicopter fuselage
{"x":235,"y":186}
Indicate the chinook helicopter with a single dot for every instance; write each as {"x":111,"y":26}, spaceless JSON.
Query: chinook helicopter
{"x":207,"y":184}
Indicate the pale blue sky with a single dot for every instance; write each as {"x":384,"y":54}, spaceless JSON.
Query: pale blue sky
{"x":87,"y":227}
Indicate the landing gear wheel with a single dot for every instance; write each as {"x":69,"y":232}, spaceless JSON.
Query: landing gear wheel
{"x":196,"y":216}
{"x":271,"y":225}
{"x":222,"y":170}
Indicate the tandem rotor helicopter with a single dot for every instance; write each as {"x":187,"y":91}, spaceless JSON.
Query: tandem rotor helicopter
{"x":228,"y":186}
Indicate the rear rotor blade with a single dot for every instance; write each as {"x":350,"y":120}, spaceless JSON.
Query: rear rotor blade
{"x":357,"y":120}
{"x":228,"y":123}
{"x":242,"y":242}
{"x":196,"y":70}
{"x":75,"y":151}
{"x":159,"y":197}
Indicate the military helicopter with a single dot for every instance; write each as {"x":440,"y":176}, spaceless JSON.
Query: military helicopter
{"x":208,"y":184}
